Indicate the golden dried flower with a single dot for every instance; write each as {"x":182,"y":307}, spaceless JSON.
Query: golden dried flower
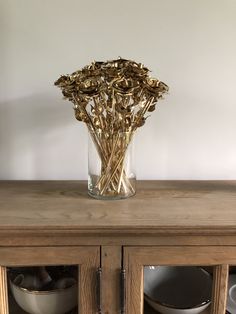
{"x":112,"y":98}
{"x":114,"y":94}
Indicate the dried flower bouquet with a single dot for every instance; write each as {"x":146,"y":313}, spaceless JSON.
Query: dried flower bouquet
{"x":113,"y":99}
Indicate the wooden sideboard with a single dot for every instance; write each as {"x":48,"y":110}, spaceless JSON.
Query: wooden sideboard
{"x":165,"y":223}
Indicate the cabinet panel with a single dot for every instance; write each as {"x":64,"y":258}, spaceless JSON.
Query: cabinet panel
{"x":3,"y":291}
{"x":231,"y":291}
{"x":220,"y":288}
{"x":111,"y":265}
{"x":136,"y":258}
{"x":86,"y":261}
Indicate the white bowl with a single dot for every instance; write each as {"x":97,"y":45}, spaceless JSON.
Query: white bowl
{"x":59,"y":301}
{"x":177,"y":290}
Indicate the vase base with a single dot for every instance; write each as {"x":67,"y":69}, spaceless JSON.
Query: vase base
{"x":110,"y":197}
{"x":127,"y":190}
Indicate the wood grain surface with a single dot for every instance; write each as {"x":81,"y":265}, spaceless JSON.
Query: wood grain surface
{"x":158,"y":207}
{"x":3,"y":291}
{"x":111,"y":257}
{"x":220,"y":289}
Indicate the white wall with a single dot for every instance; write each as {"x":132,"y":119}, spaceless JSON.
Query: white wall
{"x":189,"y":44}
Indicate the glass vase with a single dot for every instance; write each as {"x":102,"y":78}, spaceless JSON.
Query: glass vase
{"x":111,"y":172}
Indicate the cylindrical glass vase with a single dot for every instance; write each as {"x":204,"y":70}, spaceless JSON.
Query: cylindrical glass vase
{"x":111,"y":172}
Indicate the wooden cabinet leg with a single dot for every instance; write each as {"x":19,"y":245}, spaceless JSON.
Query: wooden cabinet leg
{"x":3,"y":291}
{"x":220,"y":287}
{"x":111,"y":267}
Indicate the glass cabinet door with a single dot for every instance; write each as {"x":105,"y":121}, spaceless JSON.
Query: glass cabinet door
{"x":231,"y":290}
{"x":184,"y":279}
{"x":48,"y":280}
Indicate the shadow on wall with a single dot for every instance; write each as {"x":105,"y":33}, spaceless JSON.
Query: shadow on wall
{"x":25,"y":125}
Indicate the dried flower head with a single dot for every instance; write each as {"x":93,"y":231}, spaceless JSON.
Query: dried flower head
{"x":117,"y":93}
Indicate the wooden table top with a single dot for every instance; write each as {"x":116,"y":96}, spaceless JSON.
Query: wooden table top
{"x":158,"y":207}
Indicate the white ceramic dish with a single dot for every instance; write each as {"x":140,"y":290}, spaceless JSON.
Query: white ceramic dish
{"x":177,"y":290}
{"x":231,"y":301}
{"x":59,"y":301}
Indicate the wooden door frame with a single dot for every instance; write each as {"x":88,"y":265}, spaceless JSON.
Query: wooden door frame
{"x":87,"y":258}
{"x":135,"y":258}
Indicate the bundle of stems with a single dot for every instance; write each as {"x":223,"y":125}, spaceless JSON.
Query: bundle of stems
{"x":112,"y":151}
{"x":112,"y":98}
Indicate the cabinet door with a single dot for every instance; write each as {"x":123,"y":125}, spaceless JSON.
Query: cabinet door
{"x":214,"y":260}
{"x":77,"y":266}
